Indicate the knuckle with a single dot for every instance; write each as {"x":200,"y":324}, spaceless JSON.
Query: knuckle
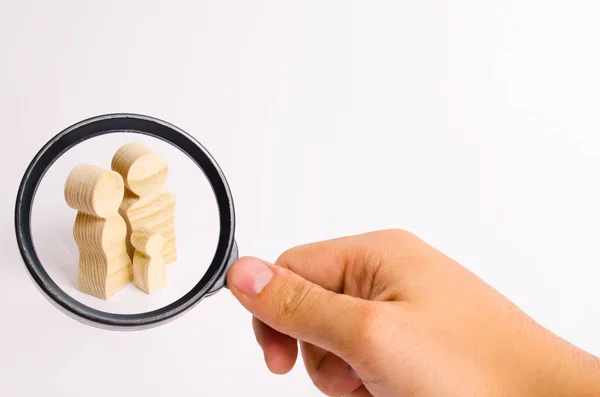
{"x":399,"y":234}
{"x":394,"y":237}
{"x":399,"y":239}
{"x":288,"y":257}
{"x":326,"y":383}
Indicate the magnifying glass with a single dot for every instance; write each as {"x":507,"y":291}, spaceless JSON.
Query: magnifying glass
{"x":89,"y":211}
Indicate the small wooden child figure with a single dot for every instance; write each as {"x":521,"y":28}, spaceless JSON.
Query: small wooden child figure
{"x":99,"y":231}
{"x":147,"y":204}
{"x":149,"y":271}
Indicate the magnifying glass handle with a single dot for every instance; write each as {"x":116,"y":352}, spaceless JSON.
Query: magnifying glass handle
{"x":222,"y":281}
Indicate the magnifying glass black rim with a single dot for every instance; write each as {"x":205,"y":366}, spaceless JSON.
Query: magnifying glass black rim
{"x":129,"y":123}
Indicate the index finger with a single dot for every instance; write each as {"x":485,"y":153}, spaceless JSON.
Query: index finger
{"x":333,"y":264}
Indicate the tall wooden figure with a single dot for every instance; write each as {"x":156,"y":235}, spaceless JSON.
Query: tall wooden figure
{"x":147,"y":204}
{"x":100,"y":232}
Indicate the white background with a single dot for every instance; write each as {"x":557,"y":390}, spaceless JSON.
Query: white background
{"x":474,"y":124}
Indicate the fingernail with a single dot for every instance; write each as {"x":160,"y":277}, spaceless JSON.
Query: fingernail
{"x":250,"y":276}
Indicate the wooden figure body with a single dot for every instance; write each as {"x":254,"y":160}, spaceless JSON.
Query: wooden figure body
{"x":99,"y":231}
{"x":149,"y":270}
{"x":147,"y":204}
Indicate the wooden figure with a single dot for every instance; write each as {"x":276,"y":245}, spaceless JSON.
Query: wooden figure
{"x":149,"y":270}
{"x":99,"y":231}
{"x":147,"y":204}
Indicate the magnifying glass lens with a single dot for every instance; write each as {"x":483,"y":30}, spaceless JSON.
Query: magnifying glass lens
{"x":125,"y":221}
{"x":171,"y":197}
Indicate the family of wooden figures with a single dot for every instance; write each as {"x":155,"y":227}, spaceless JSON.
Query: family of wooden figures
{"x":125,"y":227}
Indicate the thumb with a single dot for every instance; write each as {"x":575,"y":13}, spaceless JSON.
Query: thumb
{"x":296,"y":307}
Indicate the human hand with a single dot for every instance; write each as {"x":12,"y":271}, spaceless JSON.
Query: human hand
{"x":384,"y":314}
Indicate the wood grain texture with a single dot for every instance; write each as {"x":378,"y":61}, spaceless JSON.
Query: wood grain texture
{"x":99,"y":231}
{"x":149,"y":270}
{"x":146,"y":204}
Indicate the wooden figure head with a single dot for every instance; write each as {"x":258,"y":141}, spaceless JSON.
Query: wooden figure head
{"x":147,"y":242}
{"x":142,"y":170}
{"x":94,"y":190}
